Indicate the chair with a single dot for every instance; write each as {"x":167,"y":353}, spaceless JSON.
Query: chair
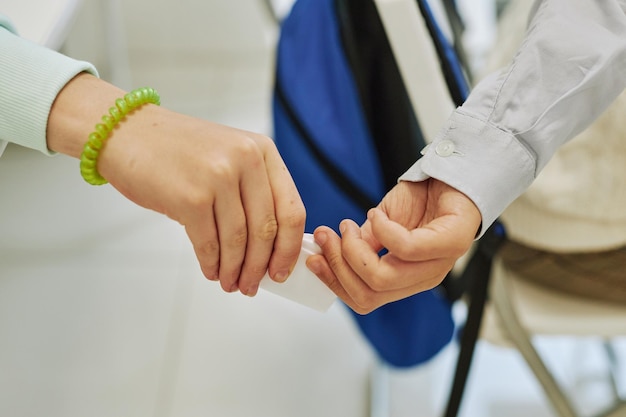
{"x":518,"y":310}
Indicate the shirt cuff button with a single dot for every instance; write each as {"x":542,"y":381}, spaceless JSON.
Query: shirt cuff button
{"x":445,"y":148}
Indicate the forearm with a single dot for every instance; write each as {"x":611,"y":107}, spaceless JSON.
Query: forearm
{"x":568,"y":70}
{"x":570,"y":67}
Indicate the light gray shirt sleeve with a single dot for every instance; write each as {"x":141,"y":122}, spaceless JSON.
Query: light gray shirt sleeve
{"x":31,"y":76}
{"x":570,"y":67}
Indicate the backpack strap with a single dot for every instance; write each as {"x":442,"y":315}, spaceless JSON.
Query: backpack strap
{"x":419,"y":61}
{"x":453,"y":72}
{"x":386,"y":105}
{"x":476,"y":277}
{"x":359,"y":197}
{"x":457,"y":26}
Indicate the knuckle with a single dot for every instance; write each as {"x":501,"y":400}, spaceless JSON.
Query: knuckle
{"x":208,"y":249}
{"x":268,"y":230}
{"x":255,"y":272}
{"x":263,"y":141}
{"x":197,"y":199}
{"x":248,"y":149}
{"x":238,"y":238}
{"x":229,"y":275}
{"x":294,"y":217}
{"x":221,"y":168}
{"x":208,"y":258}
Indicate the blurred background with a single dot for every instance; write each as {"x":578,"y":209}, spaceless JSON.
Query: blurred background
{"x":103,"y":310}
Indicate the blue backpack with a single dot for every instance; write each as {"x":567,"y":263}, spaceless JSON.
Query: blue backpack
{"x":346,"y":129}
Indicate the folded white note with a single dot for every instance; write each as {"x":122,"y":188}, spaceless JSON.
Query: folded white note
{"x":303,"y":286}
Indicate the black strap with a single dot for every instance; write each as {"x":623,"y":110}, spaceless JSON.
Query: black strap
{"x":383,"y":96}
{"x":458,"y":28}
{"x":351,"y":190}
{"x":476,"y":275}
{"x":446,"y":67}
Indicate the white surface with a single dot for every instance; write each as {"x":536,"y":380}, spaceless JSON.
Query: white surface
{"x":45,"y":22}
{"x":303,"y":286}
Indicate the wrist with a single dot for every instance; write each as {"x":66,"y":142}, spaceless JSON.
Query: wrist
{"x":97,"y":140}
{"x":75,"y":111}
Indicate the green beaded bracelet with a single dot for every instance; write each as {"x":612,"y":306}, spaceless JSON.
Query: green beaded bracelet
{"x":97,"y":139}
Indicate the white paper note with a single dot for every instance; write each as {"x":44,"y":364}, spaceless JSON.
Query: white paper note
{"x":303,"y":286}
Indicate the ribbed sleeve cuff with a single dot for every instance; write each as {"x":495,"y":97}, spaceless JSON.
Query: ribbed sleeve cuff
{"x":31,"y":77}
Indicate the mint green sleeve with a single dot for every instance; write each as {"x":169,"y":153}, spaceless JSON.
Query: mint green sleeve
{"x":31,"y":76}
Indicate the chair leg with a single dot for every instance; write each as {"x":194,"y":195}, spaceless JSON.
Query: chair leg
{"x":613,"y":371}
{"x":619,"y":410}
{"x":518,"y":335}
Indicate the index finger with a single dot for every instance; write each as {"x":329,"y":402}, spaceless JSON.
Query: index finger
{"x":290,"y":216}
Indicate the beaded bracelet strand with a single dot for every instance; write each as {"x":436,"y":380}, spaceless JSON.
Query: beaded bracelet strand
{"x":97,"y":139}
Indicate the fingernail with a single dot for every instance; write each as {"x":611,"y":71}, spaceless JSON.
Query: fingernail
{"x":321,"y":238}
{"x":234,"y":288}
{"x":370,"y":214}
{"x":281,"y":276}
{"x":343,"y":227}
{"x":252,"y":291}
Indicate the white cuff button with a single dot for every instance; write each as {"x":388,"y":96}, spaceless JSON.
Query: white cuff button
{"x":445,"y":148}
